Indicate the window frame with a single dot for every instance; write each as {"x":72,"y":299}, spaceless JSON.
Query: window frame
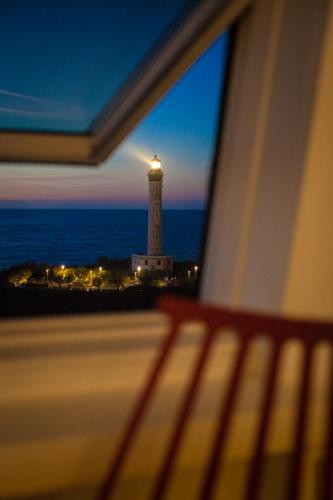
{"x":125,"y":110}
{"x":259,"y":168}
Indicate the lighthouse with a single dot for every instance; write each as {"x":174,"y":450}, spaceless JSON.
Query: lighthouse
{"x":154,"y":260}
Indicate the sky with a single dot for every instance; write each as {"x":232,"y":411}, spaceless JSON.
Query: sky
{"x":180,"y":129}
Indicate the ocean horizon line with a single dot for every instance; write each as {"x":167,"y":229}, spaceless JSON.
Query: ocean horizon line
{"x":100,"y":208}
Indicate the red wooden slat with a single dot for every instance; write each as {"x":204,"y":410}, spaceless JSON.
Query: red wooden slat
{"x":328,"y":466}
{"x":224,"y":419}
{"x":302,"y":407}
{"x":182,"y":418}
{"x":253,"y":481}
{"x":138,"y":414}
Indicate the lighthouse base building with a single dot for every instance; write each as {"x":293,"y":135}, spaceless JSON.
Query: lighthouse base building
{"x":152,"y":263}
{"x":154,"y":260}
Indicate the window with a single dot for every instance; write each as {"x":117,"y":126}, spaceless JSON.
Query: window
{"x":69,"y":79}
{"x":82,"y":228}
{"x":115,"y":91}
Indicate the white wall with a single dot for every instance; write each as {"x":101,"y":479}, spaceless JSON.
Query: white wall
{"x":309,"y":289}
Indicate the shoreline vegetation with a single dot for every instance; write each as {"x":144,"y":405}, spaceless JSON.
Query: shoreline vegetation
{"x":32,"y":288}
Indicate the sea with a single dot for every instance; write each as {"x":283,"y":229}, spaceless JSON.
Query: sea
{"x":78,"y":237}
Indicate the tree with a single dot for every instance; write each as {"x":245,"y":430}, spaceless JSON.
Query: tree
{"x":119,"y":277}
{"x":152,"y":278}
{"x":158,"y":282}
{"x":20,"y":276}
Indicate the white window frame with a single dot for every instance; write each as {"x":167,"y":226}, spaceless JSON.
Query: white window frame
{"x":261,"y":153}
{"x":148,"y":84}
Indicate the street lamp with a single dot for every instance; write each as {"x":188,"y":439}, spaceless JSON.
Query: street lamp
{"x":100,"y":269}
{"x":195,"y":271}
{"x":189,"y":274}
{"x":139,"y":269}
{"x":47,"y":274}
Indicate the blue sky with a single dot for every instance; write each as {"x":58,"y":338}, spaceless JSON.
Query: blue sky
{"x":181,"y":130}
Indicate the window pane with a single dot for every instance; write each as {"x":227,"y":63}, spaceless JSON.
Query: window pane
{"x":62,"y":61}
{"x":82,"y":219}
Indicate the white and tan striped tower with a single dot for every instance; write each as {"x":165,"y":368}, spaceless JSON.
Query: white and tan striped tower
{"x":155,"y":176}
{"x":154,"y":259}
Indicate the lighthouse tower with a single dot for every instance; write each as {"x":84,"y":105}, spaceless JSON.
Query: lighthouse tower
{"x":155,"y":176}
{"x":154,"y":259}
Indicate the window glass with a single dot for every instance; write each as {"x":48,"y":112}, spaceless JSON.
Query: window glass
{"x":62,"y":61}
{"x":70,"y":231}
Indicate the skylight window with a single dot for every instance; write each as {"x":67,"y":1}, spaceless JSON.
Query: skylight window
{"x":77,"y":77}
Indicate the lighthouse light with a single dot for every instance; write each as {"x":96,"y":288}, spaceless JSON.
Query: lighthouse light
{"x":155,"y":163}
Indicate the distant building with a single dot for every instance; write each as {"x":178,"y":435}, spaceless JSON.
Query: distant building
{"x":154,"y":260}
